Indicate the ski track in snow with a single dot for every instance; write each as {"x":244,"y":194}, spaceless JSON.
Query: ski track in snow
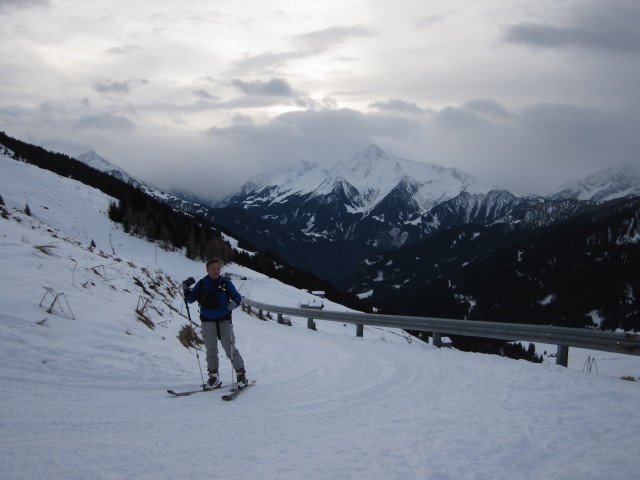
{"x":85,"y":397}
{"x":351,"y":409}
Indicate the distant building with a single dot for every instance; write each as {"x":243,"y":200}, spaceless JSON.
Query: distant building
{"x":313,"y":305}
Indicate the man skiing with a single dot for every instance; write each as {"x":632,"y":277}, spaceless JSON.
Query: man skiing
{"x":217,"y":297}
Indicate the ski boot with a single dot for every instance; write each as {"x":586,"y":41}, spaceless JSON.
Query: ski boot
{"x":214,"y":379}
{"x":241,"y":378}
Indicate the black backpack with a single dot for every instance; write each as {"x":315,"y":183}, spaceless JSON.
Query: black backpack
{"x":209,"y":300}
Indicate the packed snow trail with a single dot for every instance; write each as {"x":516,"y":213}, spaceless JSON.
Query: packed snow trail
{"x":330,"y":406}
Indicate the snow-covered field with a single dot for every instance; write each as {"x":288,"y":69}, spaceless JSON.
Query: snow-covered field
{"x":83,"y":381}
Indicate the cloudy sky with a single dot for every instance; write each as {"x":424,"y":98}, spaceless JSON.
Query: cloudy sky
{"x":201,"y":94}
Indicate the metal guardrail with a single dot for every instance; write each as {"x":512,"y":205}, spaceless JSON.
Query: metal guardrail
{"x":563,"y":337}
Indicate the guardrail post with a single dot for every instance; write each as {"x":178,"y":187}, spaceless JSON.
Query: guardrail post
{"x":311,"y":325}
{"x":562,"y":357}
{"x":359,"y":330}
{"x":437,"y":339}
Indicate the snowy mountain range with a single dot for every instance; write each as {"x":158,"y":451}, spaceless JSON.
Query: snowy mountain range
{"x":608,"y":184}
{"x":380,"y":201}
{"x":369,"y":177}
{"x":180,"y":198}
{"x":375,"y":199}
{"x":366,"y":179}
{"x":101,"y":164}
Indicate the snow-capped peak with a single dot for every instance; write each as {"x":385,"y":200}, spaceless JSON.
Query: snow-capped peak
{"x":613,"y":182}
{"x":373,"y":173}
{"x":94,"y":160}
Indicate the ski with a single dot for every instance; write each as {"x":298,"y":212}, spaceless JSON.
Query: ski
{"x":237,"y":391}
{"x":203,"y":389}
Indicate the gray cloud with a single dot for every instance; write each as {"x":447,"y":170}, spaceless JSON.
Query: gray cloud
{"x":273,"y":87}
{"x":243,"y":119}
{"x":105,"y":121}
{"x":46,"y":115}
{"x":306,"y":45}
{"x":14,"y":115}
{"x":11,"y":4}
{"x":125,"y":50}
{"x":396,"y":105}
{"x":324,"y":39}
{"x":202,"y":93}
{"x":585,"y":134}
{"x":307,"y":102}
{"x":487,"y":107}
{"x":267,"y":60}
{"x":251,"y":102}
{"x":276,"y":91}
{"x":323,"y":136}
{"x":294,"y":126}
{"x":550,"y":116}
{"x":207,"y":102}
{"x":429,"y":20}
{"x":609,"y":26}
{"x":456,"y":118}
{"x":118,"y":88}
{"x":112,"y":87}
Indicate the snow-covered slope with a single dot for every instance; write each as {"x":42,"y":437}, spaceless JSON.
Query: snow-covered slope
{"x":83,"y":379}
{"x":608,"y":184}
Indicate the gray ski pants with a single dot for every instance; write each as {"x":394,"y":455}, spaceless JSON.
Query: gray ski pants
{"x":221,"y":330}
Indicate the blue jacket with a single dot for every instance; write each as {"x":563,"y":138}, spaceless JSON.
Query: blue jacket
{"x":224,"y":291}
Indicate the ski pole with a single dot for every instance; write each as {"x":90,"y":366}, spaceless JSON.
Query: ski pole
{"x":195,"y":345}
{"x":233,"y":347}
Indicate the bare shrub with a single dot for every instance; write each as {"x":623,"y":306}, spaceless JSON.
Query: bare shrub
{"x":46,"y":249}
{"x":189,"y":338}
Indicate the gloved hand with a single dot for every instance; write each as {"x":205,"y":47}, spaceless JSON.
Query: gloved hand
{"x":186,"y":286}
{"x":232,"y":305}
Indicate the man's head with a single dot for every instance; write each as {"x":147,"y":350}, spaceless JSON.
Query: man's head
{"x":213,"y":268}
